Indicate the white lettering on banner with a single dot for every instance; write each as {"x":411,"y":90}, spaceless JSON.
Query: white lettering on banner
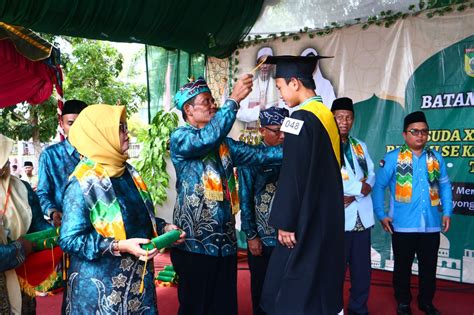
{"x":447,"y":100}
{"x":291,"y":125}
{"x":464,"y":191}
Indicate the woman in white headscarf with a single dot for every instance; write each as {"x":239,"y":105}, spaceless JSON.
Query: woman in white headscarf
{"x":20,"y":213}
{"x":324,"y":87}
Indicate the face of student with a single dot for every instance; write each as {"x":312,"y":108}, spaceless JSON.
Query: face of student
{"x":344,"y":119}
{"x":416,"y":135}
{"x":201,"y":111}
{"x":272,"y":135}
{"x":67,"y":121}
{"x":123,"y":134}
{"x":288,"y":91}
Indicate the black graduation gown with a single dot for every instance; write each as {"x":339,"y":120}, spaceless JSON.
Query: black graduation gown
{"x":307,"y":279}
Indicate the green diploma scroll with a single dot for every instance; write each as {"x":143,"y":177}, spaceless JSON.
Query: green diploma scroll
{"x":163,"y":240}
{"x":165,"y":278}
{"x":43,"y":239}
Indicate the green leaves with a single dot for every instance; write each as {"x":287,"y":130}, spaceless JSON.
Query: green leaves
{"x":91,"y":74}
{"x":152,"y":162}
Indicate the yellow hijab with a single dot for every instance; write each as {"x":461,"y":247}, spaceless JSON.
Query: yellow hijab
{"x":95,"y":134}
{"x":16,"y":216}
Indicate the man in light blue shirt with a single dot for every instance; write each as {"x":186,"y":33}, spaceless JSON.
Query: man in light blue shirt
{"x":56,"y":163}
{"x":358,"y":177}
{"x":419,"y":186}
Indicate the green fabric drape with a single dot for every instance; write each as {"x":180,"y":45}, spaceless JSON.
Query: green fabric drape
{"x":212,"y":27}
{"x":167,"y":71}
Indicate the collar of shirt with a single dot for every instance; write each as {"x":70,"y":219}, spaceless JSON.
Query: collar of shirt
{"x":69,"y":148}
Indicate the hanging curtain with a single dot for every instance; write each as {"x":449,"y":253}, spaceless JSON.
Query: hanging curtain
{"x":167,"y":71}
{"x":212,"y":27}
{"x":24,"y":80}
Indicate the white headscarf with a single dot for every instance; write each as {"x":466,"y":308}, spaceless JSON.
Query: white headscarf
{"x":324,"y":87}
{"x":16,"y":215}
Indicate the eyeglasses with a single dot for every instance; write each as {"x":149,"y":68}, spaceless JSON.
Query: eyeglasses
{"x":417,"y":132}
{"x":275,"y":131}
{"x":207,"y":102}
{"x":123,"y":127}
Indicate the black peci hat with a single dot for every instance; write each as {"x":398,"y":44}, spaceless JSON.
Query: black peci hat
{"x":414,"y":118}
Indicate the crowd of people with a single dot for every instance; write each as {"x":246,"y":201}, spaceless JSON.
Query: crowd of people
{"x":308,"y":195}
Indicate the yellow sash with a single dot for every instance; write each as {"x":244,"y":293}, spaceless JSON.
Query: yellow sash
{"x":327,"y":119}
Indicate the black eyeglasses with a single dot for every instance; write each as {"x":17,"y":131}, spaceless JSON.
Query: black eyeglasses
{"x":123,"y":127}
{"x":417,"y":132}
{"x":275,"y":131}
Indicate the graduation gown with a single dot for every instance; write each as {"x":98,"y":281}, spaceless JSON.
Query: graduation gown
{"x":308,"y":279}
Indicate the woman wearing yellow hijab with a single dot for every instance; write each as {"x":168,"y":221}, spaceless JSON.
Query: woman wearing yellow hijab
{"x":108,"y":213}
{"x":20,"y":213}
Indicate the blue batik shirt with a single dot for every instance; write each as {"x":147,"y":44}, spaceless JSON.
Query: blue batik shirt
{"x":56,"y":163}
{"x":257,"y":186}
{"x":99,"y":280}
{"x":209,"y":224}
{"x":417,"y":215}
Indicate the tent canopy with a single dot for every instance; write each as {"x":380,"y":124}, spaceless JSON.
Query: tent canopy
{"x":212,"y":27}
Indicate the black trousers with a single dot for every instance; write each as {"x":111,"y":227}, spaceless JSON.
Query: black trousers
{"x":258,"y":269}
{"x":405,"y":246}
{"x":207,"y":284}
{"x":357,"y":256}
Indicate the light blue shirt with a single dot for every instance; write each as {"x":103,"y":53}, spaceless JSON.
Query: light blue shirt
{"x":418,"y":215}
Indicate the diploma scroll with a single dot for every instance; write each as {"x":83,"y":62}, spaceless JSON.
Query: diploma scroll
{"x":163,"y":240}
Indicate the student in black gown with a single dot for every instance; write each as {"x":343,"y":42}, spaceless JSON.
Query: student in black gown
{"x":306,"y":271}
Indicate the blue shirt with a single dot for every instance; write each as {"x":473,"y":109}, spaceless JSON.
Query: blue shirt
{"x":418,"y":215}
{"x":56,"y":163}
{"x":209,"y":224}
{"x":257,"y":186}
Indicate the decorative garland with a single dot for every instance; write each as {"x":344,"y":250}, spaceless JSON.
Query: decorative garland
{"x":385,"y":18}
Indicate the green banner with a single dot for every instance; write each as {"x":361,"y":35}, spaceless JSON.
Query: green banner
{"x":419,"y":63}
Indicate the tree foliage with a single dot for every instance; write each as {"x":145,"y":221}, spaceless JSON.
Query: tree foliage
{"x":91,"y":69}
{"x":91,"y":74}
{"x":23,"y":121}
{"x":155,"y":151}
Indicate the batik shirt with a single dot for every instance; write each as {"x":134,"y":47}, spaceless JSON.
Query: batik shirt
{"x":56,"y":163}
{"x":418,"y":215}
{"x":98,"y":281}
{"x":257,"y":186}
{"x":209,"y":224}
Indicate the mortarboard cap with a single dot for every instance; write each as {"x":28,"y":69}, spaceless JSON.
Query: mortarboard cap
{"x":28,"y":163}
{"x":414,"y":118}
{"x":342,"y":103}
{"x":294,"y":66}
{"x":73,"y":107}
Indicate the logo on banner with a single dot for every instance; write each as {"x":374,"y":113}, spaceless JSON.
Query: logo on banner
{"x":469,"y":62}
